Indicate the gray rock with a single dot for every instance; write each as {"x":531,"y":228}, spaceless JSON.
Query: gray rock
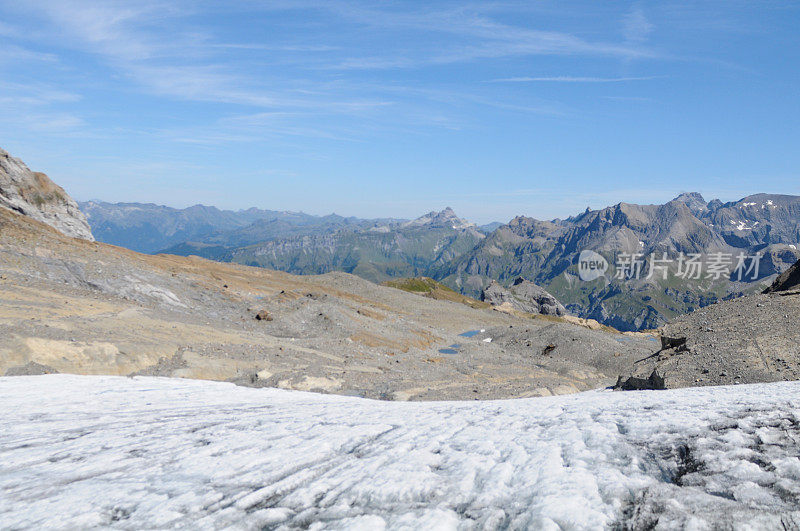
{"x":637,"y":381}
{"x":788,"y":280}
{"x":524,"y":296}
{"x":30,"y":369}
{"x":263,"y":315}
{"x":33,"y":194}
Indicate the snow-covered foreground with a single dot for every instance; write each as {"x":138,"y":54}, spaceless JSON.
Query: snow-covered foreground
{"x":82,"y":451}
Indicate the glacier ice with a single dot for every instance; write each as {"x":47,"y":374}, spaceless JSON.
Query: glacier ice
{"x":131,"y":453}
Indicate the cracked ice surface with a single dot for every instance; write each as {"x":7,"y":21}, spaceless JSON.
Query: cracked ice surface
{"x":85,"y":451}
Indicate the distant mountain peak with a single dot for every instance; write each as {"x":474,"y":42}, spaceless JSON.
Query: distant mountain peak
{"x":444,"y":218}
{"x":686,"y":196}
{"x":693,"y":200}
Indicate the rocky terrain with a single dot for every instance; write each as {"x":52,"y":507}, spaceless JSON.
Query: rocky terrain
{"x":747,"y":340}
{"x":35,"y":195}
{"x":789,"y":280}
{"x":70,"y":305}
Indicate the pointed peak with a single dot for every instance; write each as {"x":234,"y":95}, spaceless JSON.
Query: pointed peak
{"x":690,"y":196}
{"x":693,"y":200}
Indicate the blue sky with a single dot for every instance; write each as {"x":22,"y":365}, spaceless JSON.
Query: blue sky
{"x":398,"y":108}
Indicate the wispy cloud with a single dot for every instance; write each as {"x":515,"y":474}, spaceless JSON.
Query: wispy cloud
{"x":277,"y":48}
{"x":185,"y":65}
{"x":635,"y":26}
{"x":7,"y":30}
{"x":38,"y":108}
{"x":20,"y":94}
{"x":164,"y":49}
{"x":484,"y":38}
{"x":12,"y":52}
{"x":573,"y":79}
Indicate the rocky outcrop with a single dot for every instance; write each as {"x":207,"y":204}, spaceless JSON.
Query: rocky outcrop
{"x":751,"y":339}
{"x":30,"y":369}
{"x":33,"y":194}
{"x":524,"y":296}
{"x":788,"y":280}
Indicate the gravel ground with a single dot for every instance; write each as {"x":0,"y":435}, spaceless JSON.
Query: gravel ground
{"x":747,"y":340}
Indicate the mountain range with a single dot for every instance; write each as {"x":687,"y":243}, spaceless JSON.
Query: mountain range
{"x":150,"y":228}
{"x":442,"y":246}
{"x":547,"y":252}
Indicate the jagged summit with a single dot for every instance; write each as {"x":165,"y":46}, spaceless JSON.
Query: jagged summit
{"x":693,"y":200}
{"x":33,"y":194}
{"x":444,"y":218}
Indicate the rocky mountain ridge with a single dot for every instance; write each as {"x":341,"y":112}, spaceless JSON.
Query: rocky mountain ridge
{"x":382,"y":252}
{"x":445,"y":218}
{"x":442,"y":246}
{"x":547,"y":252}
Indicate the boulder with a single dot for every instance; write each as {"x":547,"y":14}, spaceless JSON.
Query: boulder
{"x":263,"y":315}
{"x":524,"y":296}
{"x":641,"y":381}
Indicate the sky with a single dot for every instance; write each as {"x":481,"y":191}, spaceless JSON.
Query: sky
{"x":377,"y":109}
